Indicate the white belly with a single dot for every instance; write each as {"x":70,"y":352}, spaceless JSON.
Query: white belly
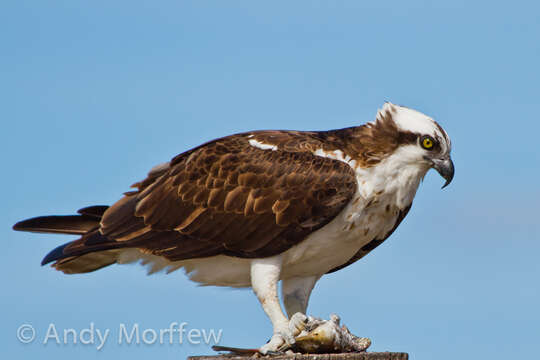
{"x":337,"y":242}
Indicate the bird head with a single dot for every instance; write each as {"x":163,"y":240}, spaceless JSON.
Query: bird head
{"x":423,"y":143}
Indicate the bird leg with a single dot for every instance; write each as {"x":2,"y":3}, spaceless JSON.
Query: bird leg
{"x":296,"y":292}
{"x":264,"y":278}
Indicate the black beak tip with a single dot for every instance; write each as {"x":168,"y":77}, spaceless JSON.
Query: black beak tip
{"x":450,"y":174}
{"x":446,"y":170}
{"x":446,"y":184}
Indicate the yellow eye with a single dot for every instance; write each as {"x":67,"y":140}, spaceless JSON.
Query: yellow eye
{"x":427,"y":143}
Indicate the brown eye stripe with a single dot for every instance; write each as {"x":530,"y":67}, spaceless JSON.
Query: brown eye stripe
{"x":406,"y":137}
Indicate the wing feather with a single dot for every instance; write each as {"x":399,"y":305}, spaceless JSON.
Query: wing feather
{"x":227,"y":197}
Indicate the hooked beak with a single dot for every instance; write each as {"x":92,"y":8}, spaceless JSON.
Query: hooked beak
{"x":445,"y":167}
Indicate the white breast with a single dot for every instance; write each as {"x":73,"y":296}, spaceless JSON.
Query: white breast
{"x":335,"y":243}
{"x":383,"y":191}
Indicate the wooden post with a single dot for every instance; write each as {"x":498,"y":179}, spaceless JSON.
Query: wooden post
{"x":344,"y":356}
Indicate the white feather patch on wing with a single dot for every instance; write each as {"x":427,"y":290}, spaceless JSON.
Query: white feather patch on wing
{"x":262,"y":146}
{"x":336,"y":155}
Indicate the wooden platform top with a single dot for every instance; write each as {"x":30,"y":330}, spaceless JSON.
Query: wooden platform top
{"x":344,"y":356}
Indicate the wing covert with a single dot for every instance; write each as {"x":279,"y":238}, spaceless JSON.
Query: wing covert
{"x":227,"y":197}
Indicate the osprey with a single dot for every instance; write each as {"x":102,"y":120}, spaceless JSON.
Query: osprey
{"x":255,"y":208}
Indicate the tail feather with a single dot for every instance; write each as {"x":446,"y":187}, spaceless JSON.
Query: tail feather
{"x":96,"y":211}
{"x":90,"y":252}
{"x":65,"y":224}
{"x":89,"y":243}
{"x":87,"y":263}
{"x":55,"y":254}
{"x":87,"y":220}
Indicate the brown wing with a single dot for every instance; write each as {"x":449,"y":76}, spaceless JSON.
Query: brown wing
{"x":228,"y":197}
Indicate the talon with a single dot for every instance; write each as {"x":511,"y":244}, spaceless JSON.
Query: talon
{"x":275,"y":345}
{"x":297,"y":323}
{"x":288,"y":337}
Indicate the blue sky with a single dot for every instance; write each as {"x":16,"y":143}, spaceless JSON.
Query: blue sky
{"x":96,"y":93}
